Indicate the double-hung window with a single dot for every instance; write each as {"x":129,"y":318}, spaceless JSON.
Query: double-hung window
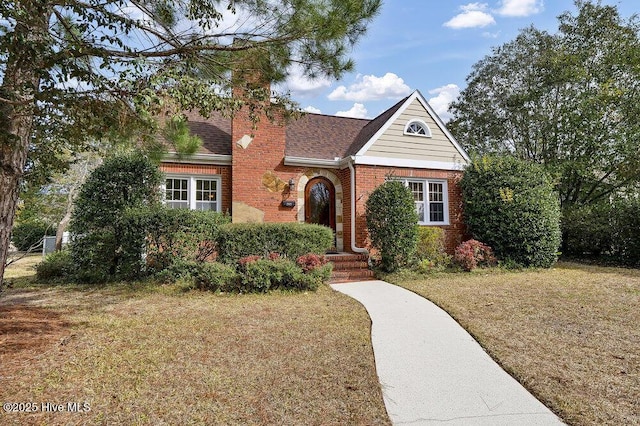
{"x":195,"y":193}
{"x":431,"y":200}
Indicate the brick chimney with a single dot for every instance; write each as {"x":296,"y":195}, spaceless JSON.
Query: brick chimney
{"x":258,"y":142}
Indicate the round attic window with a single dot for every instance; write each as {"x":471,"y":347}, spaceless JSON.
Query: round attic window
{"x":417,"y":128}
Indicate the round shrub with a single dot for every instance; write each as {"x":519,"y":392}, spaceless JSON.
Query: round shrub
{"x":392,"y":223}
{"x":473,"y":254}
{"x":430,"y":249}
{"x":510,"y":204}
{"x":214,"y":276}
{"x":56,"y":265}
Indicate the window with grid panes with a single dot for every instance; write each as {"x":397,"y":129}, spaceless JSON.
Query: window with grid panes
{"x":430,"y":197}
{"x":206,"y":194}
{"x":196,"y":193}
{"x":177,"y":193}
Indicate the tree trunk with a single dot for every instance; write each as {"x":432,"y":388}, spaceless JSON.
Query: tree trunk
{"x":14,"y":142}
{"x":62,"y":227}
{"x":17,"y":109}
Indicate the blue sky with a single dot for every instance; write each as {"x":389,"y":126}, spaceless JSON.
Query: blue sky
{"x":429,"y":45}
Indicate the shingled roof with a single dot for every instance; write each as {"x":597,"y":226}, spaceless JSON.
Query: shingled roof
{"x":311,"y":136}
{"x":214,"y":131}
{"x":322,"y":136}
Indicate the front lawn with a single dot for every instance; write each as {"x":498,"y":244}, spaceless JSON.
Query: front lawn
{"x":154,"y":355}
{"x":571,"y":334}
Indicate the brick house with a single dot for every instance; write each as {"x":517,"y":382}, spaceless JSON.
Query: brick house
{"x":320,"y":169}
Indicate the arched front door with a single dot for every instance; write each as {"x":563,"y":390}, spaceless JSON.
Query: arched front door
{"x":320,"y":202}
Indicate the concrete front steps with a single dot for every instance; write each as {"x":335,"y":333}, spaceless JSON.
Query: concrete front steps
{"x":350,"y":267}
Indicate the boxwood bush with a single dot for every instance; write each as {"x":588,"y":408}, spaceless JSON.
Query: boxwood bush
{"x":56,"y":265}
{"x":510,"y":204}
{"x":291,"y":240}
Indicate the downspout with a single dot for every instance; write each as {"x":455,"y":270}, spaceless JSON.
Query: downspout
{"x":352,"y":173}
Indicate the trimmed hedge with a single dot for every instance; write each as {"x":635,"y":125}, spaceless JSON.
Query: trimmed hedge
{"x":511,"y":205}
{"x":291,"y":240}
{"x":168,"y":235}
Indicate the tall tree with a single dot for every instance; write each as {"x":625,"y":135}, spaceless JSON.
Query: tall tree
{"x":84,"y":70}
{"x":569,"y":100}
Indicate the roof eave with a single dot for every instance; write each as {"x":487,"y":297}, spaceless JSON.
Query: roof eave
{"x":336,"y":163}
{"x":216,"y":159}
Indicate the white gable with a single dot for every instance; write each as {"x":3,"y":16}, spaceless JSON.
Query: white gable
{"x":393,"y":144}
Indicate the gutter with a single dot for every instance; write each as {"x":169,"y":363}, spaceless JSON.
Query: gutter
{"x":352,"y":174}
{"x":312,"y":162}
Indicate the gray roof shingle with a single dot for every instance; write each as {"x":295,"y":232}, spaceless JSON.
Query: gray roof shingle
{"x":315,"y":136}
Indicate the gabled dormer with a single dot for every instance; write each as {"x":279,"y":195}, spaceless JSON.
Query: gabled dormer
{"x":413,"y":136}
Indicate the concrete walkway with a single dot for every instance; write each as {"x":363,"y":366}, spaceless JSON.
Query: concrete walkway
{"x":432,"y":371}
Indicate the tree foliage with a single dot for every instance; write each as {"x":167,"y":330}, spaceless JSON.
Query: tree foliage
{"x":510,"y":205}
{"x":84,"y":70}
{"x":392,"y":223}
{"x":99,"y":247}
{"x":568,"y":100}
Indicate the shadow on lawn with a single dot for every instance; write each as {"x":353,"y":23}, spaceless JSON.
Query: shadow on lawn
{"x":28,"y":328}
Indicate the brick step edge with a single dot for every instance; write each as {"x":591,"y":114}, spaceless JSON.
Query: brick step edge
{"x":347,"y":257}
{"x":349,"y":266}
{"x":353,"y":275}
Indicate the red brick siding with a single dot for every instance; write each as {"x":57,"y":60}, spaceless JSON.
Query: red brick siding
{"x":369,"y":177}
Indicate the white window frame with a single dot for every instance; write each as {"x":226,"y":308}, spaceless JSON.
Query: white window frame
{"x":422,"y":124}
{"x":192,"y":186}
{"x":427,"y":203}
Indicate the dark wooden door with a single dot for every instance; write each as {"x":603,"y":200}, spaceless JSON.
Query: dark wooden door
{"x":320,"y":202}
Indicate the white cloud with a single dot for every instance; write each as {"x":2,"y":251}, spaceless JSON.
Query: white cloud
{"x":488,"y":34}
{"x":372,"y":88}
{"x":443,"y":97}
{"x":357,"y":111}
{"x":473,"y":15}
{"x":520,"y":7}
{"x":302,"y":86}
{"x":312,"y":110}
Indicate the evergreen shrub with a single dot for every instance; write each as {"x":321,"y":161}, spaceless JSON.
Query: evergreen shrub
{"x":238,"y":240}
{"x":392,"y":224}
{"x":511,"y":205}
